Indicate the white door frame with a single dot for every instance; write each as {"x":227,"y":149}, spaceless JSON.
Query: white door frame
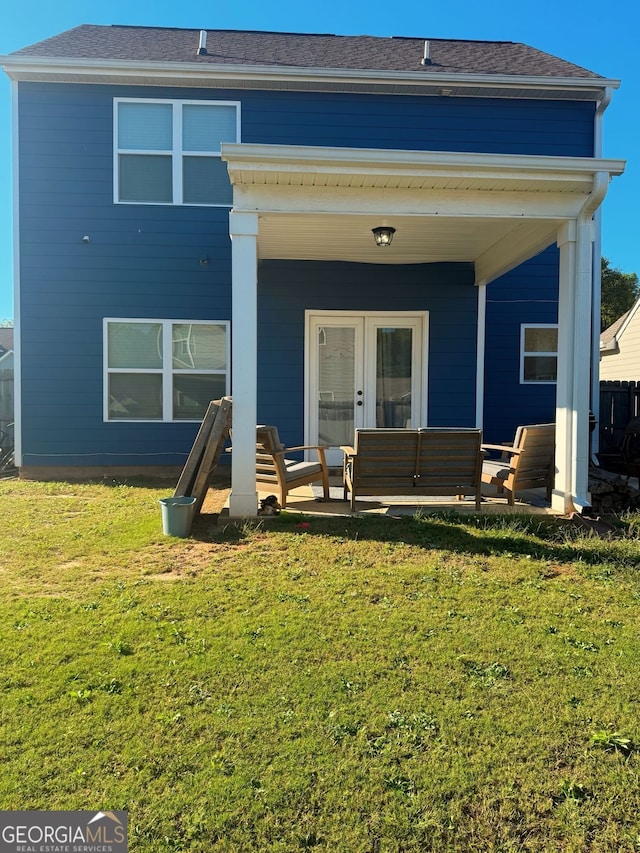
{"x":419,"y":374}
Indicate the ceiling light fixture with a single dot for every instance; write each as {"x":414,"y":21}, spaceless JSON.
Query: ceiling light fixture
{"x":383,"y":235}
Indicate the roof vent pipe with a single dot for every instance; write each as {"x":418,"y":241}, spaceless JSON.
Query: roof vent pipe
{"x":202,"y":46}
{"x":426,"y":58}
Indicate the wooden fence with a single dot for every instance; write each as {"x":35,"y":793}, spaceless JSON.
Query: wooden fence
{"x":619,"y":404}
{"x":6,"y":399}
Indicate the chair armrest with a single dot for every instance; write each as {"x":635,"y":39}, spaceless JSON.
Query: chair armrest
{"x":319,"y":448}
{"x":348,"y":450}
{"x":503,"y":448}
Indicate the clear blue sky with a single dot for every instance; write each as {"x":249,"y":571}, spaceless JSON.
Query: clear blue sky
{"x":600,"y":37}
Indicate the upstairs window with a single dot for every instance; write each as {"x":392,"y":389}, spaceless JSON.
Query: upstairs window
{"x":539,"y":353}
{"x":168,"y":152}
{"x":164,"y":370}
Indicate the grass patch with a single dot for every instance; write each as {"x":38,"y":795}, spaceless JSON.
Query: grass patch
{"x":429,"y":684}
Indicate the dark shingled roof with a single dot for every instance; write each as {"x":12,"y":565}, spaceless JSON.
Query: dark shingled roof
{"x":297,"y":50}
{"x":611,"y":331}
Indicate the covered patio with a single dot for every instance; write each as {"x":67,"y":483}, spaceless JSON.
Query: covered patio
{"x":492,"y":210}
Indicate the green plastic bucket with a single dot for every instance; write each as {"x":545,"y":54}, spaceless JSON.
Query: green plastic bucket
{"x":177,"y":515}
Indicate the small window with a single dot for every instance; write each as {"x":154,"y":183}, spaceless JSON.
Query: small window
{"x":539,"y":353}
{"x":164,"y":370}
{"x":168,"y":152}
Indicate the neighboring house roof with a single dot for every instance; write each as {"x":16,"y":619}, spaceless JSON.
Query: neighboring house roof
{"x":6,"y":339}
{"x":299,"y":50}
{"x":610,"y":337}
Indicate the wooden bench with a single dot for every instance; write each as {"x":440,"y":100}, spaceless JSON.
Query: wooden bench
{"x":413,"y":462}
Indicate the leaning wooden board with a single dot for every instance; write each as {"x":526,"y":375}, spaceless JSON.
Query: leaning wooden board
{"x":204,"y":456}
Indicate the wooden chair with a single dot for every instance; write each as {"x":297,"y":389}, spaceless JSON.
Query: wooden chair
{"x":526,"y":464}
{"x":282,"y":474}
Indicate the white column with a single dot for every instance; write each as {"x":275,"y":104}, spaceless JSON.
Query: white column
{"x":574,"y":367}
{"x":243,"y":230}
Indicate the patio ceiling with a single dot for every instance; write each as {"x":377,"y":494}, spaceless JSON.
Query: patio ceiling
{"x":418,"y":239}
{"x":493,"y":210}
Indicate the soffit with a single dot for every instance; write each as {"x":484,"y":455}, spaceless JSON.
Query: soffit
{"x":418,"y":240}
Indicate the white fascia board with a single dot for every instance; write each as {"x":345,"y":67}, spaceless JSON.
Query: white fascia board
{"x":16,"y":66}
{"x":299,"y":157}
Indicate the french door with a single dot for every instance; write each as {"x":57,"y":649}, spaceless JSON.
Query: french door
{"x":363,"y":370}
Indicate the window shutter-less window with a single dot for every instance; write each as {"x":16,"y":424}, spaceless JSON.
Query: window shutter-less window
{"x":169,"y":152}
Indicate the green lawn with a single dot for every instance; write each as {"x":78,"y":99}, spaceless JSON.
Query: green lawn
{"x":344,"y":685}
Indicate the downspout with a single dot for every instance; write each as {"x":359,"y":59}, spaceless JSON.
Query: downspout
{"x":480,"y":352}
{"x":584,"y":283}
{"x":602,"y":105}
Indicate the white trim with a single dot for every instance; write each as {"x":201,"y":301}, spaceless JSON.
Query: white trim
{"x":166,"y":371}
{"x":365,"y":367}
{"x":177,"y":153}
{"x":532,"y":354}
{"x":481,"y":336}
{"x":187,"y":72}
{"x":17,"y":337}
{"x":273,"y":158}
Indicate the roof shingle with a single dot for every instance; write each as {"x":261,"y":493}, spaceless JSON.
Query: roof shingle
{"x":299,"y":50}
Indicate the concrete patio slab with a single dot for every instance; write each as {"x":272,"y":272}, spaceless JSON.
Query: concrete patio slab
{"x":308,"y":500}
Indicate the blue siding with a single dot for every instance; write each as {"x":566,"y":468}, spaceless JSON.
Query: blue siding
{"x":287,"y":288}
{"x":526,"y":295}
{"x":144,"y":261}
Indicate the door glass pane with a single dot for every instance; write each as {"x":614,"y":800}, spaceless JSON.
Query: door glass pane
{"x":336,"y":382}
{"x":393,"y":377}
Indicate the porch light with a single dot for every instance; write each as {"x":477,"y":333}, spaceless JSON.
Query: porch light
{"x":383,"y":235}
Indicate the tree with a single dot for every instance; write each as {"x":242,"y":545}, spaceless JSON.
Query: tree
{"x":619,"y":291}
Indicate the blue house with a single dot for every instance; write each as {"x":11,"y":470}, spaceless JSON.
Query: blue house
{"x":339,"y":231}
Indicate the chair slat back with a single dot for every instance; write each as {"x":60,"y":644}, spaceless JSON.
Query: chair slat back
{"x":386,"y":454}
{"x":535,"y":461}
{"x":269,"y":454}
{"x":450,"y":458}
